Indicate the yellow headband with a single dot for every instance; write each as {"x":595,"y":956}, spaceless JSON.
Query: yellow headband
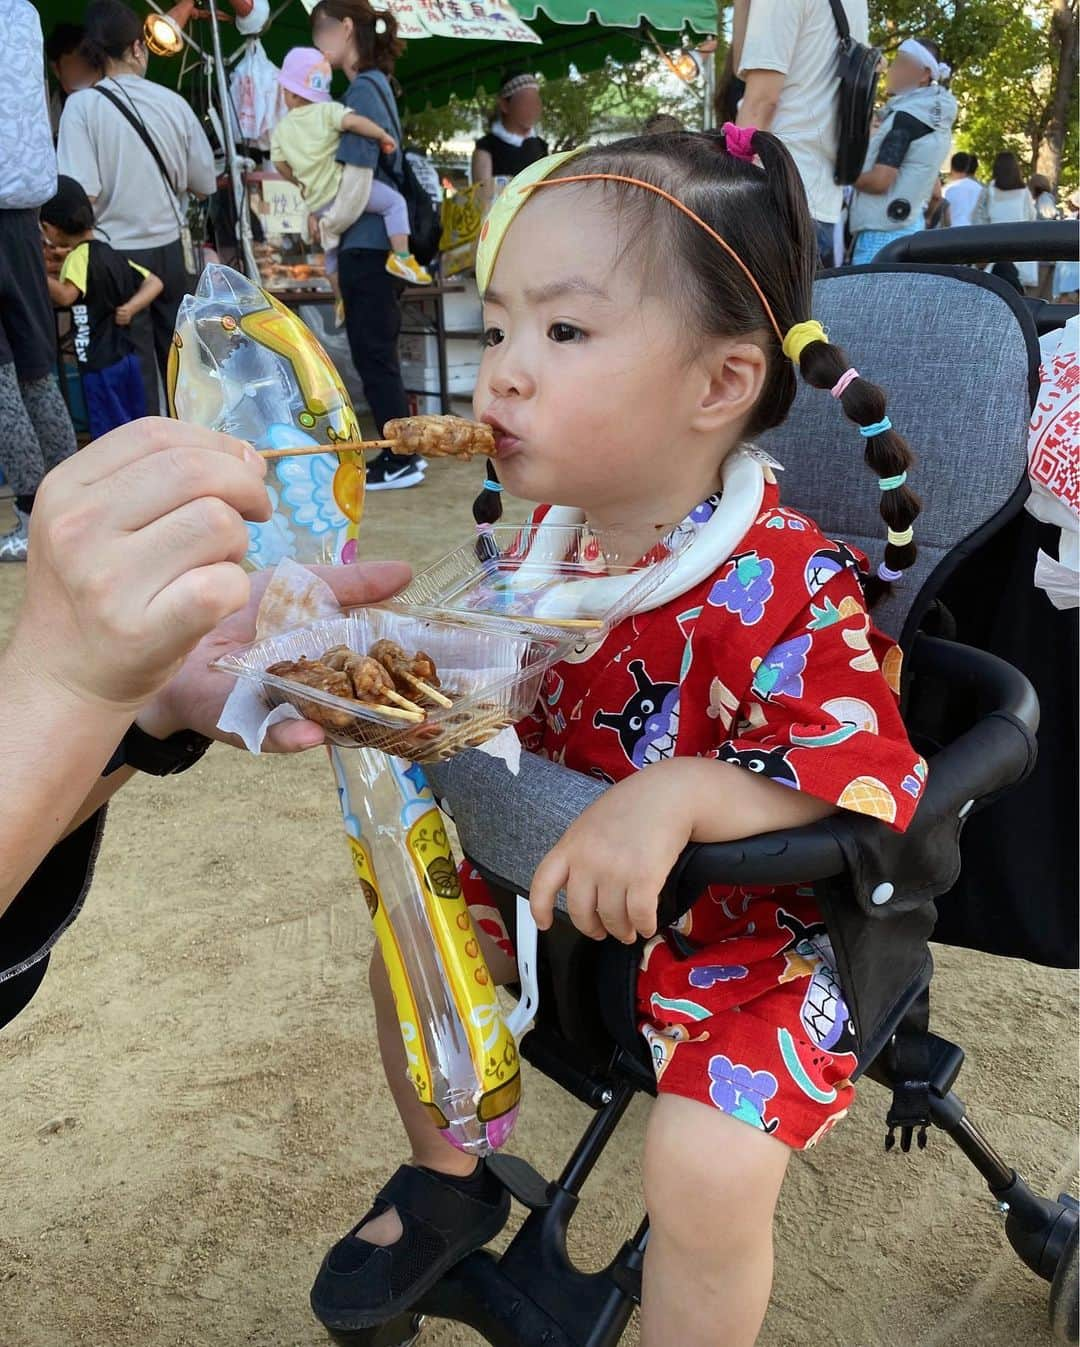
{"x":801,"y":336}
{"x":505,"y":209}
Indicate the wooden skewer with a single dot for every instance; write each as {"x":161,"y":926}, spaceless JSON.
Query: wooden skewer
{"x":543,"y":621}
{"x":413,"y":717}
{"x":401,"y":701}
{"x":418,"y":683}
{"x":301,"y":451}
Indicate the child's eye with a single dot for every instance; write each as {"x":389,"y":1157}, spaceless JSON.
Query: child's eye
{"x":492,"y":336}
{"x":563,"y":332}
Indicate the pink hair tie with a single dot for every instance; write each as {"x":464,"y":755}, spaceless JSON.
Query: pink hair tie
{"x":737,"y":139}
{"x":848,"y":377}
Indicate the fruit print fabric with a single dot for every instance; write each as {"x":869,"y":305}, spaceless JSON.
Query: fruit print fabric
{"x":770,"y":665}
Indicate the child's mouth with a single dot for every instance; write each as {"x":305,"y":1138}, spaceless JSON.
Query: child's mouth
{"x":506,"y":442}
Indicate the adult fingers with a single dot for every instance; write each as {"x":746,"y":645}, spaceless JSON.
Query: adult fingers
{"x":548,"y":878}
{"x":196,"y":601}
{"x":197,"y":534}
{"x":366,"y":581}
{"x":151,"y":435}
{"x":151,"y":488}
{"x":293,"y":736}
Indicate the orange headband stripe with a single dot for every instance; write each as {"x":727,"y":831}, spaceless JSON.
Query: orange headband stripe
{"x":659,"y":191}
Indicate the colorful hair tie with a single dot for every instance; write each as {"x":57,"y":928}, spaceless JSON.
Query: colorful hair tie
{"x":483,"y":528}
{"x":893,"y":483}
{"x":845,"y":380}
{"x":878,"y":428}
{"x":801,"y":336}
{"x":489,"y":485}
{"x":901,"y":539}
{"x":738,"y":140}
{"x":889,"y":576}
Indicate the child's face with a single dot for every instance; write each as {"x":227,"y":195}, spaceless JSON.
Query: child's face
{"x":587,"y":380}
{"x":54,"y":236}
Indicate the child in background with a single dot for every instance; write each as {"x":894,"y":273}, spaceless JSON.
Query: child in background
{"x":104,"y":292}
{"x":639,"y":335}
{"x":304,"y":149}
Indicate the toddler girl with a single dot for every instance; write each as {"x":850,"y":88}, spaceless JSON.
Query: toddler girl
{"x":647,"y":312}
{"x":304,"y":148}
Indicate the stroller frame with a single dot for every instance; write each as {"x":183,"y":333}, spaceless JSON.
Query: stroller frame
{"x":585,"y":1037}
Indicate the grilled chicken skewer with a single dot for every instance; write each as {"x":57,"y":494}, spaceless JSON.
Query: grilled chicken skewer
{"x":370,"y":681}
{"x":437,"y":436}
{"x":418,"y":672}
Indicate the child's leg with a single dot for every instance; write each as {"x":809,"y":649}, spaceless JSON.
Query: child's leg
{"x":390,"y":204}
{"x":711,"y":1183}
{"x":429,"y":1148}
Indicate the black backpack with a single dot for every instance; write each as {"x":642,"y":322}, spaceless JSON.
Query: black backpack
{"x":425,"y":226}
{"x":857,"y":70}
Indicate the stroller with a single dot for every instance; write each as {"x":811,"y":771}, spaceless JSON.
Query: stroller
{"x":972,"y":714}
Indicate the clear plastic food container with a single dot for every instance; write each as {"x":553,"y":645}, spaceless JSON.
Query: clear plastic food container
{"x":491,"y":677}
{"x":554,"y":580}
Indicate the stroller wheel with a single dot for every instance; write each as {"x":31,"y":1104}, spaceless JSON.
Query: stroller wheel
{"x":1065,"y":1292}
{"x":401,"y":1331}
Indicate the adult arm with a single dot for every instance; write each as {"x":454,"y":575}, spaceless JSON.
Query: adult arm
{"x":134,"y":555}
{"x":483,"y":172}
{"x":892,"y":152}
{"x":76,"y":153}
{"x":740,"y":13}
{"x":768,"y":49}
{"x":201,"y":178}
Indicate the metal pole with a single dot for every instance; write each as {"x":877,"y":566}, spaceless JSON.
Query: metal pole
{"x":243,"y":223}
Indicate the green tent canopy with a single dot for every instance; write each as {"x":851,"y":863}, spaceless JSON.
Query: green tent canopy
{"x":581,"y":33}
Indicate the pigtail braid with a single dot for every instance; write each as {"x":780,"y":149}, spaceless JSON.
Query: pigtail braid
{"x":825,"y":366}
{"x":487,"y":510}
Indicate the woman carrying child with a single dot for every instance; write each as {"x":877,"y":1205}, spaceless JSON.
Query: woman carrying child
{"x":304,"y":149}
{"x":647,"y":312}
{"x":104,"y":292}
{"x":364,"y":43}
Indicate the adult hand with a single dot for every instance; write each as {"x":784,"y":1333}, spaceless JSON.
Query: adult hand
{"x":195,"y":696}
{"x":135,"y":545}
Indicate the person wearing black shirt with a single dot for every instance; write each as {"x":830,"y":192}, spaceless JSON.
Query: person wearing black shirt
{"x":104,"y":292}
{"x":510,"y":145}
{"x":134,"y":587}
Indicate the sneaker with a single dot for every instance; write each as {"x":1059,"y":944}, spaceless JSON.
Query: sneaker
{"x":13,"y":545}
{"x":383,"y":475}
{"x":407,"y":269}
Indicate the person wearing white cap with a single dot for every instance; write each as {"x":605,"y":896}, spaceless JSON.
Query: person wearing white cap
{"x":906,"y":150}
{"x":511,"y":143}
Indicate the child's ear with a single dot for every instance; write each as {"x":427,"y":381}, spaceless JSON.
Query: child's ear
{"x":734,"y":377}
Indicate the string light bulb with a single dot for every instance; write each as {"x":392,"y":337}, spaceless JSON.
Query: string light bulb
{"x":164,"y":33}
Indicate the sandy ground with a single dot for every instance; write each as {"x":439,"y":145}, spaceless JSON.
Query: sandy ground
{"x":192,"y":1108}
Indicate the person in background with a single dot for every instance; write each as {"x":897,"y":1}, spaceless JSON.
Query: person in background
{"x":905,"y":151}
{"x":511,"y":143}
{"x":140,"y":207}
{"x":1065,"y":287}
{"x":788,"y":64}
{"x":35,"y":429}
{"x":963,"y":189}
{"x":303,"y":148}
{"x":1046,"y":208}
{"x":363,"y":42}
{"x":1006,"y":200}
{"x":69,"y":67}
{"x":662,"y":124}
{"x":937,"y":214}
{"x":104,"y":292}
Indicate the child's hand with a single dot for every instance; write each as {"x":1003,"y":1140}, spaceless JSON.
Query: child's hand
{"x":123,"y":315}
{"x":614,"y":860}
{"x":389,"y":145}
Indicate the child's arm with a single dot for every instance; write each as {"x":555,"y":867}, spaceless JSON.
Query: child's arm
{"x":63,"y":293}
{"x":142,"y":299}
{"x":364,"y":126}
{"x":615,"y":859}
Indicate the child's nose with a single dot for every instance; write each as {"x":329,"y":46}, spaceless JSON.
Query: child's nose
{"x":511,"y":378}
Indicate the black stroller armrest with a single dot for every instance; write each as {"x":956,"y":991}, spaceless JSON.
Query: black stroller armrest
{"x":889,"y":869}
{"x":1023,"y":241}
{"x":507,"y":824}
